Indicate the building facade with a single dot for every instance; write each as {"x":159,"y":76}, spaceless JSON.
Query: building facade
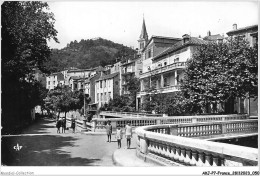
{"x":54,"y":80}
{"x":167,"y":68}
{"x":250,"y":34}
{"x":106,"y":88}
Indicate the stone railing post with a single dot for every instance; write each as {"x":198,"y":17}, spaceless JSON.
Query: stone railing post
{"x":113,"y":123}
{"x":223,"y":128}
{"x":94,"y":124}
{"x":158,"y":122}
{"x":194,"y":120}
{"x":174,"y":130}
{"x":143,"y":144}
{"x":84,"y":125}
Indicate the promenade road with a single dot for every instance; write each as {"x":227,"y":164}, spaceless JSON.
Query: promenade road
{"x":42,"y":146}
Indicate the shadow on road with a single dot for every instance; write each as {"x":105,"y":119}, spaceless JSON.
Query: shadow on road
{"x":43,"y":150}
{"x":40,"y":127}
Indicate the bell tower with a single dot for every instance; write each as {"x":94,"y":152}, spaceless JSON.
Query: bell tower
{"x":143,"y":38}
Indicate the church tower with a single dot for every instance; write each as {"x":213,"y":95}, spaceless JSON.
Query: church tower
{"x":143,"y":39}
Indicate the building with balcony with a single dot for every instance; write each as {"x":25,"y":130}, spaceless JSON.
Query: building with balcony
{"x":106,"y":88}
{"x":166,"y":70}
{"x":54,"y":80}
{"x":249,"y":33}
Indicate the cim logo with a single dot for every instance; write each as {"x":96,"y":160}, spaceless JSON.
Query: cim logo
{"x":17,"y":147}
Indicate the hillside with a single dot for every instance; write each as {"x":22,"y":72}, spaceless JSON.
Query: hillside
{"x":88,"y":53}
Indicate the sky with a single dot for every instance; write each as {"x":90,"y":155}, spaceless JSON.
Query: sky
{"x":121,"y":22}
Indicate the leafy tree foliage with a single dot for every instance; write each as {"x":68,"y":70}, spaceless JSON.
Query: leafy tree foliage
{"x":26,"y":27}
{"x":119,"y":104}
{"x":88,"y":53}
{"x":62,"y":99}
{"x":219,"y":72}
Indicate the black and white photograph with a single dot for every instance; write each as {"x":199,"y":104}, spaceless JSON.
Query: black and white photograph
{"x":129,"y":87}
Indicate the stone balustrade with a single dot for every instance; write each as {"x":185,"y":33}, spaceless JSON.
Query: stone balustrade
{"x":150,"y":120}
{"x":174,"y":143}
{"x":80,"y":124}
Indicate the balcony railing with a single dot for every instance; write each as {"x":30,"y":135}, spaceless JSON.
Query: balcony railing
{"x":176,"y":145}
{"x":162,"y":90}
{"x":163,"y":69}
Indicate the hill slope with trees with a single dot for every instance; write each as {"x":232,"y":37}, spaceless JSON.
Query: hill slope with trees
{"x":88,"y":53}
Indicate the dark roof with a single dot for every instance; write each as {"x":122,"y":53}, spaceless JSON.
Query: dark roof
{"x":160,"y":37}
{"x":80,"y":70}
{"x":127,"y":63}
{"x":60,"y":76}
{"x":143,"y":34}
{"x":107,"y":76}
{"x":213,"y":37}
{"x":75,"y":77}
{"x":243,"y":29}
{"x":180,"y":45}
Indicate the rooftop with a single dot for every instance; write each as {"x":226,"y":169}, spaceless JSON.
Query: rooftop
{"x":243,"y":29}
{"x":107,"y":76}
{"x":213,"y":37}
{"x":160,"y":37}
{"x":180,"y":45}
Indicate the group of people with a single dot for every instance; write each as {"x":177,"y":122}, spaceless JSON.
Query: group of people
{"x":119,"y":134}
{"x":61,"y":123}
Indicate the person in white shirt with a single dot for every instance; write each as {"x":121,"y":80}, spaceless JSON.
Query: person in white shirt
{"x":128,"y":134}
{"x":119,"y":136}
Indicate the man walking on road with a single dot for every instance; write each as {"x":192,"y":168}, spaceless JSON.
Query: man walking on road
{"x":128,"y":134}
{"x":109,"y":131}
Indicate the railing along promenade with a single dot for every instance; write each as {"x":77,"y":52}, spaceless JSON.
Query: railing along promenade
{"x":179,"y":144}
{"x":137,"y":120}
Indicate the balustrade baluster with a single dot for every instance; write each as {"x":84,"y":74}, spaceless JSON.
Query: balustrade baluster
{"x":171,"y":148}
{"x":187,"y":158}
{"x":209,"y":130}
{"x":207,"y":160}
{"x":222,"y":162}
{"x":177,"y":154}
{"x":200,"y":160}
{"x":182,"y":155}
{"x":194,"y":158}
{"x":215,"y":161}
{"x":156,"y":150}
{"x":168,"y":151}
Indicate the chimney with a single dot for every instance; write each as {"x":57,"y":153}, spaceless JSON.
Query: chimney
{"x":209,"y":33}
{"x":235,"y":26}
{"x":185,"y":38}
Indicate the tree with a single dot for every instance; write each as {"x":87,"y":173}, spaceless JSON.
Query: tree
{"x":62,"y":99}
{"x":133,"y":86}
{"x":26,"y":27}
{"x":219,"y":72}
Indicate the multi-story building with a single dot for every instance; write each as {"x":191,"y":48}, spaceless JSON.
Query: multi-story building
{"x":167,"y":68}
{"x":106,"y":88}
{"x":249,"y":33}
{"x":130,"y":69}
{"x":54,"y":79}
{"x":82,"y":73}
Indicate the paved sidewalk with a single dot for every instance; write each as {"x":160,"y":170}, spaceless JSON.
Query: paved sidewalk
{"x":128,"y":158}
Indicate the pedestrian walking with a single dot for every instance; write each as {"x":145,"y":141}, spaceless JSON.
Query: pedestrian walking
{"x":109,"y":131}
{"x":73,"y":123}
{"x":58,"y":125}
{"x":128,"y":134}
{"x":119,"y":136}
{"x":63,"y":125}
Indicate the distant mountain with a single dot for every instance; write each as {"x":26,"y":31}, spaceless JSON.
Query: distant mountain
{"x":88,"y":53}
